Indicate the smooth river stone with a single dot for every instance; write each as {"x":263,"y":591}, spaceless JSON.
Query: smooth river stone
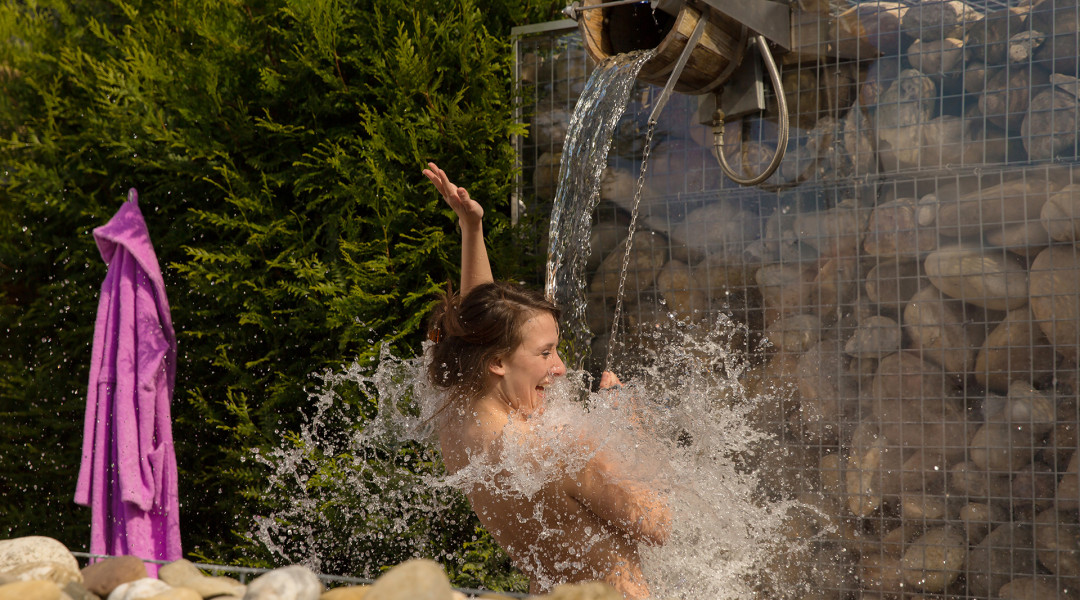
{"x":1055,"y":297}
{"x":827,"y":393}
{"x":103,"y":577}
{"x":977,"y":518}
{"x":1036,"y":588}
{"x":1068,"y":490}
{"x":1022,"y":239}
{"x":647,"y":256}
{"x":833,"y":232}
{"x":1007,"y":551}
{"x":546,"y":175}
{"x":855,"y":155}
{"x":872,"y":472}
{"x":991,"y":208}
{"x":720,"y":230}
{"x":935,"y":560}
{"x":1057,"y":542}
{"x":31,"y":590}
{"x":987,"y":39}
{"x":140,"y":589}
{"x":907,"y":376}
{"x":1057,"y":19}
{"x":1015,"y":349}
{"x":417,"y":578}
{"x":988,"y":278}
{"x":893,"y":231}
{"x":1005,"y":99}
{"x":938,"y":327}
{"x":915,"y":406}
{"x":294,"y":582}
{"x":873,"y":338}
{"x":880,"y":573}
{"x":1049,"y":129}
{"x":940,"y":143}
{"x":892,"y":283}
{"x":549,"y":129}
{"x":35,"y":549}
{"x":785,"y":289}
{"x":1061,"y":214}
{"x":939,"y":19}
{"x":937,"y":58}
{"x":1001,"y":447}
{"x":879,"y":24}
{"x":900,"y":112}
{"x":686,"y":296}
{"x":183,"y":573}
{"x":794,"y":333}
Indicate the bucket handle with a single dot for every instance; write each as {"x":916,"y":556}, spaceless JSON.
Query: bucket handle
{"x":782,"y":129}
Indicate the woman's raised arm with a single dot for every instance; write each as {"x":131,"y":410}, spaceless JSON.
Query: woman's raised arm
{"x":475,"y":267}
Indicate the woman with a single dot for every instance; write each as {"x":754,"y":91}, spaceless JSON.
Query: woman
{"x":496,"y":353}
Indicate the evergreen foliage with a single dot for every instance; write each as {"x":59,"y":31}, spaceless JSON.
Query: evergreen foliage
{"x":277,"y":148}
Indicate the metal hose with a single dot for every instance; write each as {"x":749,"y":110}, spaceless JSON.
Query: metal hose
{"x":782,"y":134}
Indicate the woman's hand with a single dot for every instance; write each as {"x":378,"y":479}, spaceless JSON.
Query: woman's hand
{"x":468,"y":211}
{"x":609,"y":380}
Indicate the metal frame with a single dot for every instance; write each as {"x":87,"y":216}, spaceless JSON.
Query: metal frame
{"x":516,"y":33}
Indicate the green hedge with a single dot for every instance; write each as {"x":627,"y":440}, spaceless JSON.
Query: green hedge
{"x":277,"y":148}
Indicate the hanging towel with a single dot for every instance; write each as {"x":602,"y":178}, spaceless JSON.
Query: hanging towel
{"x":128,"y":475}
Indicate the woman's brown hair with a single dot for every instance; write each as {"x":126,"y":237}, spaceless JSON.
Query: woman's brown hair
{"x":472,"y":331}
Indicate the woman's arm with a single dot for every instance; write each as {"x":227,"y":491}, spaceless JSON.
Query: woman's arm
{"x":475,"y":267}
{"x":632,"y":506}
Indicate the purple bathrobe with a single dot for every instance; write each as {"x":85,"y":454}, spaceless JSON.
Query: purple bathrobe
{"x":128,"y":472}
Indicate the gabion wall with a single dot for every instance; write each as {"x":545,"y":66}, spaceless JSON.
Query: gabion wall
{"x":912,"y":265}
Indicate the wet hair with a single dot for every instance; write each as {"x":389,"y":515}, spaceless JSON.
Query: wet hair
{"x":469,"y":332}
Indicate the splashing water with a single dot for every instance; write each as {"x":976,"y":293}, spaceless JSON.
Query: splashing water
{"x":359,"y":492}
{"x":584,"y":157}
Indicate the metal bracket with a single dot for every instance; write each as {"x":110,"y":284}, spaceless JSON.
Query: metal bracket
{"x":743,"y":93}
{"x":770,"y":19}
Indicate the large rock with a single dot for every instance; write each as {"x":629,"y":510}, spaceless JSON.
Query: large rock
{"x":47,"y":570}
{"x":353,"y":592}
{"x":183,"y":573}
{"x":46,"y":552}
{"x":183,"y":593}
{"x":935,"y":560}
{"x":105,"y":576}
{"x":1049,"y":128}
{"x":294,"y":582}
{"x":1007,"y":552}
{"x":417,"y":579}
{"x":1055,"y":297}
{"x":591,"y":590}
{"x":140,"y":589}
{"x":720,"y":230}
{"x":988,"y":278}
{"x":30,"y":590}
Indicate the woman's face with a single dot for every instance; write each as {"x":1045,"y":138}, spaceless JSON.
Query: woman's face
{"x":532,"y":366}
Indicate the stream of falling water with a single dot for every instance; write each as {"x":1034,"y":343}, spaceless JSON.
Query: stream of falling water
{"x":584,"y":158}
{"x":638,"y":189}
{"x":360,"y":486}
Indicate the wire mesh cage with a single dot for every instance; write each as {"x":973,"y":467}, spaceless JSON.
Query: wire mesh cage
{"x":912,"y":269}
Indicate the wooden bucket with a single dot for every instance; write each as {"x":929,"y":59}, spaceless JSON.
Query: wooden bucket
{"x":609,"y":31}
